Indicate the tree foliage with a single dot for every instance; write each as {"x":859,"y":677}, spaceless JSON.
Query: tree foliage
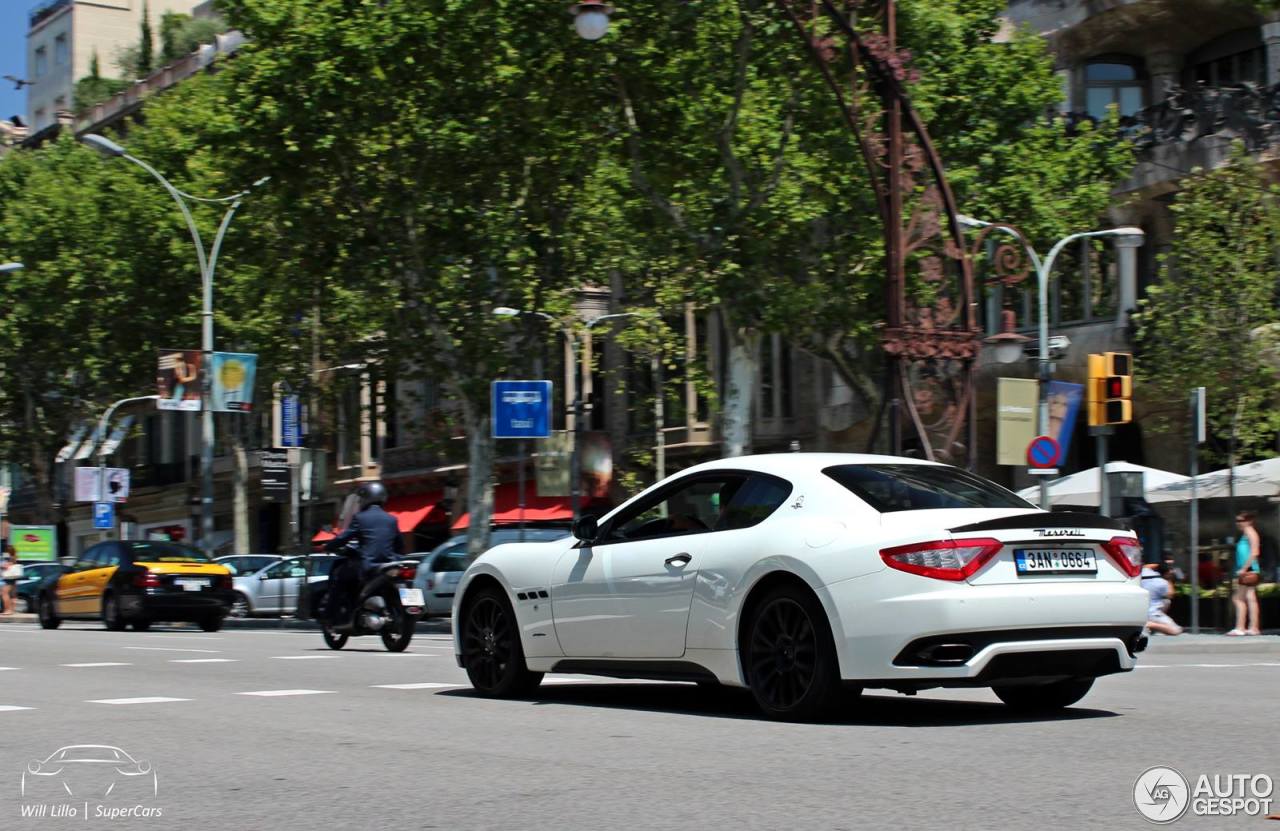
{"x":1210,"y":321}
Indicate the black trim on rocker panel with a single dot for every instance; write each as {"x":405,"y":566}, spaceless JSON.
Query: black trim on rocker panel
{"x":654,"y":670}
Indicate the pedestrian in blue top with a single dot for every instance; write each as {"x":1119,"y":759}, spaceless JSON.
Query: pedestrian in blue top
{"x":1245,"y":596}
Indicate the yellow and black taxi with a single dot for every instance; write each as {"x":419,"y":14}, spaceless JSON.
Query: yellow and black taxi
{"x":136,"y":582}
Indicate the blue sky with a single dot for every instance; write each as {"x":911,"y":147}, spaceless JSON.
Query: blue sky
{"x":13,"y":54}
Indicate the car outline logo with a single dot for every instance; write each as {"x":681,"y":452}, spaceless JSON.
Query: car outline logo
{"x":57,"y":761}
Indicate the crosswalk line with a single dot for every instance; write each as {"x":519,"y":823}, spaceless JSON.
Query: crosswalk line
{"x":154,"y":699}
{"x":9,"y":708}
{"x":273,"y":693}
{"x":171,"y":649}
{"x":423,"y":686}
{"x":301,"y":657}
{"x":100,"y":664}
{"x":7,"y":669}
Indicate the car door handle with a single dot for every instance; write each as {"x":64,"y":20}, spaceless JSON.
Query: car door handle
{"x":681,"y":559}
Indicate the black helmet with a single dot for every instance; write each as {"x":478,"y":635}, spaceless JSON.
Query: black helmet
{"x":371,"y":493}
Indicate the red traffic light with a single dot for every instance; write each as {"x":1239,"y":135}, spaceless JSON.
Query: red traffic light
{"x":1115,"y":388}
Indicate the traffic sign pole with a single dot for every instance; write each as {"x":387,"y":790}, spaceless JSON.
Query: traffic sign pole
{"x":1042,"y":455}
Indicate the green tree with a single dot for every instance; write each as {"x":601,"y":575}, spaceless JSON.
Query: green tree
{"x":98,"y":296}
{"x":93,"y":88}
{"x":146,"y":43}
{"x":181,"y":34}
{"x":428,"y":158}
{"x":1211,"y":319}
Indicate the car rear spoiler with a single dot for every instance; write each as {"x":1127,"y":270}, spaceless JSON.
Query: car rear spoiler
{"x":1045,"y":519}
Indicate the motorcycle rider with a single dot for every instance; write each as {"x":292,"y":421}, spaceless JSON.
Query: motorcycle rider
{"x":379,"y":541}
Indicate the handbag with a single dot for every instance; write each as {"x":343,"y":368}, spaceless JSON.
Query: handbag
{"x":1250,"y":578}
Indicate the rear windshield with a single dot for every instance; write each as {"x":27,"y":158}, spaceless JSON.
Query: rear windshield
{"x":891,"y":487}
{"x":166,"y":552}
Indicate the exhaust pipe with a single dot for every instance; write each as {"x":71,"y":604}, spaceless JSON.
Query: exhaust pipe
{"x":946,"y":654}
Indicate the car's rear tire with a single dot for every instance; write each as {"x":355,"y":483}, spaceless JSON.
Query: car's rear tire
{"x":45,"y":610}
{"x":491,"y":650}
{"x":141,"y":625}
{"x":211,"y":624}
{"x":789,"y":657}
{"x":1044,"y":698}
{"x":111,"y":613}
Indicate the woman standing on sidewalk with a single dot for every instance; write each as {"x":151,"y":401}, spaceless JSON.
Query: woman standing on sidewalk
{"x":1245,"y":596}
{"x":11,"y":573}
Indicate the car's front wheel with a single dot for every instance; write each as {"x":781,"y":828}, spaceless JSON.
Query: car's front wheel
{"x":48,"y":619}
{"x":789,"y":658}
{"x":240,"y":606}
{"x":1044,"y":698}
{"x":491,"y":650}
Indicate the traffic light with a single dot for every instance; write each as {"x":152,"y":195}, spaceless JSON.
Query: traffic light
{"x":1110,"y":388}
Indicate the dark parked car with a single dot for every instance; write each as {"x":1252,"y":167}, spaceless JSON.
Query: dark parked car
{"x":33,"y":577}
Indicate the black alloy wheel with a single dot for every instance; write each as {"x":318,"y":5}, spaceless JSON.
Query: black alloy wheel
{"x":491,"y":650}
{"x":330,"y":639}
{"x":240,"y":606}
{"x":791,"y":664}
{"x":111,"y":613}
{"x":48,"y":620}
{"x":1044,"y":698}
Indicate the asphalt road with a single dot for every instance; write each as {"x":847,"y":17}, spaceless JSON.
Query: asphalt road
{"x":271,"y":730}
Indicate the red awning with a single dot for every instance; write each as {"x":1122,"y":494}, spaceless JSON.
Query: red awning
{"x":410,"y":511}
{"x":506,"y":506}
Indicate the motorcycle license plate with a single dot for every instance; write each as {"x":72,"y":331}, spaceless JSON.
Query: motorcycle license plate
{"x":411,"y":597}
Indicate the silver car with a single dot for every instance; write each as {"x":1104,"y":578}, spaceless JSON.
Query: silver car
{"x":273,"y":590}
{"x":247,"y":563}
{"x":441,"y":569}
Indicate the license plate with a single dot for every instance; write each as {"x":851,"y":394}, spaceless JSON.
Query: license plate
{"x":191,"y":584}
{"x":411,"y":597}
{"x":1055,"y":561}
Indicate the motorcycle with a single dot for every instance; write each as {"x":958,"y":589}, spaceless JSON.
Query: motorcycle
{"x":388,"y":605}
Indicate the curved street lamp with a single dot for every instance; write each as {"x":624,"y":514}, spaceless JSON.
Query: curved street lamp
{"x":9,"y":268}
{"x":591,"y":19}
{"x":207,"y":264}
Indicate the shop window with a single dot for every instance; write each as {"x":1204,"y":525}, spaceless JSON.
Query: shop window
{"x":1114,"y":81}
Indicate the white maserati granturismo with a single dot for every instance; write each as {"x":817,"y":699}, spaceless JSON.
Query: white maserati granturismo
{"x":798,"y":574}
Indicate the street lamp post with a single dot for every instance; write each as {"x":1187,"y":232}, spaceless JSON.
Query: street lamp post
{"x":103,"y":424}
{"x":207,"y":266}
{"x":578,"y":405}
{"x":1044,"y":269}
{"x":9,"y":268}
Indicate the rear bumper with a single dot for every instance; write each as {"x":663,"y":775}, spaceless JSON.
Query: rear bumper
{"x":903,"y":631}
{"x":178,"y":606}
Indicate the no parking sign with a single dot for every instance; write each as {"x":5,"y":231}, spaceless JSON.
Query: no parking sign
{"x":1043,"y":452}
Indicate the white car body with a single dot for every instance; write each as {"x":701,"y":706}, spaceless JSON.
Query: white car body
{"x":622,"y":609}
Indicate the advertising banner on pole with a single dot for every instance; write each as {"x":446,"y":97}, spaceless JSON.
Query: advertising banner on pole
{"x":290,"y":421}
{"x":233,"y":374}
{"x":551,"y":464}
{"x":1065,"y":400}
{"x":34,"y":542}
{"x":178,"y":380}
{"x":276,"y":474}
{"x":117,"y":485}
{"x":1016,"y":425}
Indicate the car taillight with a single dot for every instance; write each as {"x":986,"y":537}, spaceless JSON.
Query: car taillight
{"x":1125,"y":552}
{"x":408,"y":572}
{"x":146,"y":580}
{"x":943,"y":559}
{"x":223,"y":582}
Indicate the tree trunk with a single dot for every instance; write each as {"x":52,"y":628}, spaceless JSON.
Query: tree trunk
{"x":240,"y":489}
{"x":740,"y":389}
{"x":42,"y":470}
{"x":480,"y":449}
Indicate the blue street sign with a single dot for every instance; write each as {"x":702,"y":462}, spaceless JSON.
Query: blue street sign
{"x":290,"y":421}
{"x":104,"y":515}
{"x":521,"y":409}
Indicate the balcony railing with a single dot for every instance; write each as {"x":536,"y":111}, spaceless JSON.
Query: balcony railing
{"x":41,"y":11}
{"x":1249,"y":112}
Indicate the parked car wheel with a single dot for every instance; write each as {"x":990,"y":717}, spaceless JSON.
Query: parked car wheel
{"x":491,"y":650}
{"x":240,"y":607}
{"x":791,"y":662}
{"x":111,"y":613}
{"x":48,"y":620}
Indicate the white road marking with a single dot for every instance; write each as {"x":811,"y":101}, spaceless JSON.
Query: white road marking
{"x":203,"y":660}
{"x":169,"y":637}
{"x":6,"y":669}
{"x":427,"y":686}
{"x":8,"y":708}
{"x":301,"y":657}
{"x":100,"y":664}
{"x":155,"y":699}
{"x":1209,"y":666}
{"x":171,"y":649}
{"x":270,"y":693}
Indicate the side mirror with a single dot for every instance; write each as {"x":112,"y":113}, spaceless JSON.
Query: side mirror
{"x":262,"y":577}
{"x":585,"y":528}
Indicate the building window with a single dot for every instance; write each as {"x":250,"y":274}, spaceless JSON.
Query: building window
{"x":40,"y":118}
{"x":1115,"y":81}
{"x":1235,"y":58}
{"x":61,"y":53}
{"x":42,"y":62}
{"x":60,"y":103}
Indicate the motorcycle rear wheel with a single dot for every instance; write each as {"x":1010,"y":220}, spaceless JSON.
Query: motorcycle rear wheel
{"x":397,"y":634}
